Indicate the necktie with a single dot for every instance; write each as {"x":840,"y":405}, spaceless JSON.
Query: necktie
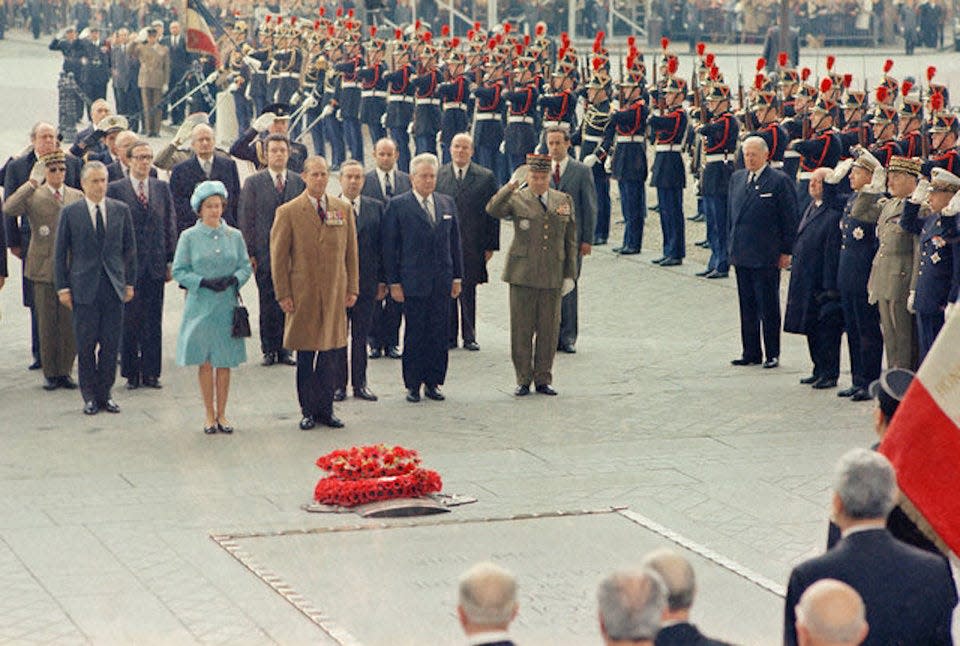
{"x":56,"y":194}
{"x":387,"y":186}
{"x":101,"y":230}
{"x":206,"y":168}
{"x":428,"y":207}
{"x":460,"y":174}
{"x":280,"y":184}
{"x":543,"y":201}
{"x":141,"y":195}
{"x":556,"y":174}
{"x":749,"y":179}
{"x":320,"y":212}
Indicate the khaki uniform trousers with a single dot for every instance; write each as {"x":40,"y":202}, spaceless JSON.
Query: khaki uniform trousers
{"x":899,"y":340}
{"x":534,"y":313}
{"x":58,"y":347}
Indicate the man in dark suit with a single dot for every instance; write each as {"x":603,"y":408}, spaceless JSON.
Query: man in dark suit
{"x":260,"y":196}
{"x":180,"y":60}
{"x":909,"y":593}
{"x":43,"y":140}
{"x":124,"y":71}
{"x":95,"y":268}
{"x":471,"y":186}
{"x":95,"y":73}
{"x":763,"y":227}
{"x":813,"y":300}
{"x":678,"y":576}
{"x":204,"y":165}
{"x":154,"y":224}
{"x":576,"y":180}
{"x":383,"y":183}
{"x":487,"y":604}
{"x":424,"y":268}
{"x":373,"y":285}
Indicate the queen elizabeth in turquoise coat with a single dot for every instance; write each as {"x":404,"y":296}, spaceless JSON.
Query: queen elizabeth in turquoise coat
{"x":205,"y":252}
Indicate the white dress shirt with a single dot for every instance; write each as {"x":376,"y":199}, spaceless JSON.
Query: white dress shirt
{"x":92,"y":208}
{"x":383,"y":181}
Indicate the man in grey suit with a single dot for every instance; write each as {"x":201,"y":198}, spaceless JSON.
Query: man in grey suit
{"x":260,"y":196}
{"x":576,"y":180}
{"x":471,"y":186}
{"x":382,"y":183}
{"x":153,"y":77}
{"x":124,"y":71}
{"x":95,"y":266}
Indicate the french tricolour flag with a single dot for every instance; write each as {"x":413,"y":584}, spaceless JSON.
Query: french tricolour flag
{"x":200,"y":38}
{"x":923,"y":441}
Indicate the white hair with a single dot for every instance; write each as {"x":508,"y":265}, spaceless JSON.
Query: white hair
{"x":759,"y":142}
{"x":488,"y":595}
{"x":424,"y":159}
{"x":866,"y":484}
{"x":631,"y":604}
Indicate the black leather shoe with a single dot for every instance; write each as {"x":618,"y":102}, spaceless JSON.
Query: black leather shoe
{"x":133,"y":384}
{"x":269,"y":358}
{"x":699,"y":217}
{"x":568,"y":348}
{"x":68,"y":383}
{"x":91,"y":408}
{"x":433,"y":392}
{"x":51,"y":383}
{"x":861,"y":396}
{"x":210,"y":430}
{"x":286,"y":359}
{"x":671,"y":262}
{"x":364,"y":393}
{"x":333,"y":422}
{"x":472,"y":346}
{"x":848,"y":392}
{"x":339,"y":395}
{"x":745,"y":362}
{"x":307,"y":423}
{"x":705,"y":272}
{"x":546,"y":389}
{"x":703,"y":244}
{"x":110,"y":406}
{"x":812,"y":379}
{"x":717,"y":274}
{"x":771,"y":363}
{"x":413,"y":395}
{"x":823,"y":383}
{"x":375,"y":353}
{"x":36,"y":365}
{"x":522,"y":390}
{"x":152,"y":382}
{"x":223,"y":428}
{"x":627,"y":251}
{"x":657,"y":261}
{"x":599,"y":242}
{"x":393,"y":352}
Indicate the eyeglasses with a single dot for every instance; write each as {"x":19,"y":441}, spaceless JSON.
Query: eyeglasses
{"x":57,"y":169}
{"x":143,"y":157}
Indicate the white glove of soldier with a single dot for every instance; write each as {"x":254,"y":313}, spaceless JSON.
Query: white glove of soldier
{"x":953,"y":206}
{"x":590,"y":160}
{"x":608,"y":164}
{"x":410,"y":128}
{"x":233,"y":87}
{"x":327,"y":111}
{"x":211,"y":77}
{"x":183,"y":132}
{"x":567,"y":287}
{"x":264,"y":121}
{"x":38,"y":173}
{"x":383,"y":120}
{"x":910,"y":301}
{"x":439,"y":139}
{"x":921,"y":192}
{"x":295,"y":99}
{"x":503,"y":147}
{"x":310,"y":102}
{"x":878,"y":183}
{"x":339,"y":115}
{"x":839,"y":172}
{"x":251,"y":62}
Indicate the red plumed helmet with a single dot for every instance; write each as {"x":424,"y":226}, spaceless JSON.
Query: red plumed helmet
{"x":293,"y":20}
{"x":887,"y":65}
{"x":564,"y":38}
{"x":491,"y":44}
{"x":519,"y":49}
{"x":710,"y":59}
{"x":931,"y":72}
{"x":597,"y":62}
{"x":454,"y":42}
{"x":427,"y":36}
{"x":373,"y":30}
{"x":507,"y":27}
{"x":476,"y":26}
{"x":830,"y":62}
{"x":826,"y":85}
{"x":701,"y":48}
{"x":714,"y":73}
{"x":905,"y":88}
{"x":445,"y":30}
{"x":323,"y":11}
{"x":316,"y":26}
{"x":562,"y":52}
{"x":664,"y":43}
{"x":498,"y":38}
{"x":600,"y":36}
{"x":758,"y":81}
{"x":597,"y":47}
{"x":526,"y":39}
{"x":540,"y":29}
{"x":761,"y":63}
{"x":804,"y":73}
{"x":881,"y":93}
{"x":847,"y":81}
{"x":339,"y":12}
{"x":269,"y":17}
{"x":350,"y":13}
{"x":936,"y":102}
{"x":331,"y":31}
{"x":782,"y":59}
{"x":631,"y":41}
{"x":397,"y":34}
{"x":630,"y":60}
{"x":470,"y":34}
{"x":348,"y":25}
{"x":672,"y":65}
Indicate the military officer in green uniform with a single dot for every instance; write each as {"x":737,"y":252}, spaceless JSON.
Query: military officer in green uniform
{"x":540,"y":268}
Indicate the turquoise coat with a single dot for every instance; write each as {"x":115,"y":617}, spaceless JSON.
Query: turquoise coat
{"x":205,"y":332}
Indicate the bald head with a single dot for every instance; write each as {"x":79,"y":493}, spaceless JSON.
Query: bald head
{"x":677,"y":574}
{"x":488,"y":598}
{"x":831,"y":613}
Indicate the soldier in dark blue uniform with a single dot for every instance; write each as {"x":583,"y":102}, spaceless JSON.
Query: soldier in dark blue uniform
{"x":669,"y":126}
{"x":330,"y":100}
{"x":250,"y":144}
{"x":488,"y":113}
{"x":719,"y":150}
{"x":426,"y":111}
{"x":520,"y":135}
{"x":454,"y":94}
{"x":944,"y":129}
{"x":856,"y":128}
{"x":263,"y":54}
{"x":95,"y":63}
{"x":923,"y":216}
{"x":822,"y":149}
{"x":558,"y":107}
{"x":373,"y":89}
{"x":793,"y":121}
{"x":348,"y":98}
{"x":589,"y":137}
{"x":400,"y":101}
{"x":314,"y":76}
{"x":66,"y":43}
{"x":884,"y":124}
{"x":764,"y":109}
{"x":911,"y":115}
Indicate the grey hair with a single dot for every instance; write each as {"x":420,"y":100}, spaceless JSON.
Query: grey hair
{"x":866,"y":484}
{"x":677,"y":575}
{"x":39,"y":124}
{"x":832,"y":612}
{"x":198,"y":128}
{"x":756,"y":141}
{"x":488,"y":594}
{"x":350,"y":162}
{"x":91,"y":166}
{"x":631,"y":604}
{"x":462,"y":135}
{"x":424,"y":159}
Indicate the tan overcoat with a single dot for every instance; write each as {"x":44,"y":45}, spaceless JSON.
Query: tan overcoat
{"x":316,"y":265}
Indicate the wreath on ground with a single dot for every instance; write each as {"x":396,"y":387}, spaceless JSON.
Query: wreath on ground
{"x":365,"y":474}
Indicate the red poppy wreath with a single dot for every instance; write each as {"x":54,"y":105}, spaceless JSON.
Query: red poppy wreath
{"x":365,"y":474}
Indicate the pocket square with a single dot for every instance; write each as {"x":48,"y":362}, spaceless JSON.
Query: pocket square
{"x":766,"y":195}
{"x":447,"y":216}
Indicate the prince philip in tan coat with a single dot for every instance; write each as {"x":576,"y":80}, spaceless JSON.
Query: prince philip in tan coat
{"x":313,"y":256}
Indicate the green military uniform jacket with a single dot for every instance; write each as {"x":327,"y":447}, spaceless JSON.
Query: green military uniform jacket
{"x":894,"y":261}
{"x":544,"y":248}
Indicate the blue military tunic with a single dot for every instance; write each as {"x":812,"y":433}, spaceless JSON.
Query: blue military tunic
{"x":205,"y":331}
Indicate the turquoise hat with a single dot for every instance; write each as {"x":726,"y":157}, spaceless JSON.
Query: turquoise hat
{"x":205,"y":190}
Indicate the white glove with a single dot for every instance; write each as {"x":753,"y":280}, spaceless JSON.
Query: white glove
{"x":839,"y":172}
{"x":251,"y":62}
{"x":211,"y":77}
{"x":503,"y":147}
{"x":910,"y":300}
{"x":383,"y":120}
{"x":439,"y":139}
{"x":590,"y":160}
{"x":567,"y":287}
{"x":295,"y":99}
{"x":264,"y":121}
{"x":921,"y":192}
{"x":339,"y":115}
{"x":953,"y":206}
{"x":520,"y":175}
{"x":878,"y":183}
{"x":608,"y":164}
{"x":38,"y":173}
{"x":233,"y":87}
{"x":950,"y":310}
{"x":184,"y":131}
{"x":309,"y":101}
{"x":142,"y":35}
{"x":327,"y":111}
{"x":410,"y":128}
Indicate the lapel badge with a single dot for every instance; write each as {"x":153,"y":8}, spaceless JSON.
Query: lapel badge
{"x":935,"y":257}
{"x":938,"y":242}
{"x":858,"y":233}
{"x":524,"y":224}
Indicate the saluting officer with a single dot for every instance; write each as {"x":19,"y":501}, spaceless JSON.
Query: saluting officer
{"x":669,"y":176}
{"x":884,"y":122}
{"x":589,"y":137}
{"x":911,"y":115}
{"x":943,"y":139}
{"x":823,"y":148}
{"x":719,"y":150}
{"x":251,"y":146}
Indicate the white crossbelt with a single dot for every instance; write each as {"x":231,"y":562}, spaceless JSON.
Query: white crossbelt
{"x":791,"y":153}
{"x":369,"y":93}
{"x":488,"y":116}
{"x":428,"y":101}
{"x":344,"y":84}
{"x":717,"y":157}
{"x":455,"y":105}
{"x":516,"y":118}
{"x":287,"y":75}
{"x":667,"y":148}
{"x":395,"y":98}
{"x":629,"y":139}
{"x":557,"y":124}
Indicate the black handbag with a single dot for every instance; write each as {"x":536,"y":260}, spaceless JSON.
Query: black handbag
{"x":241,"y":319}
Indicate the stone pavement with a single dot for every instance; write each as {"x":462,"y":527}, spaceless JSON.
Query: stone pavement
{"x":106,"y":522}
